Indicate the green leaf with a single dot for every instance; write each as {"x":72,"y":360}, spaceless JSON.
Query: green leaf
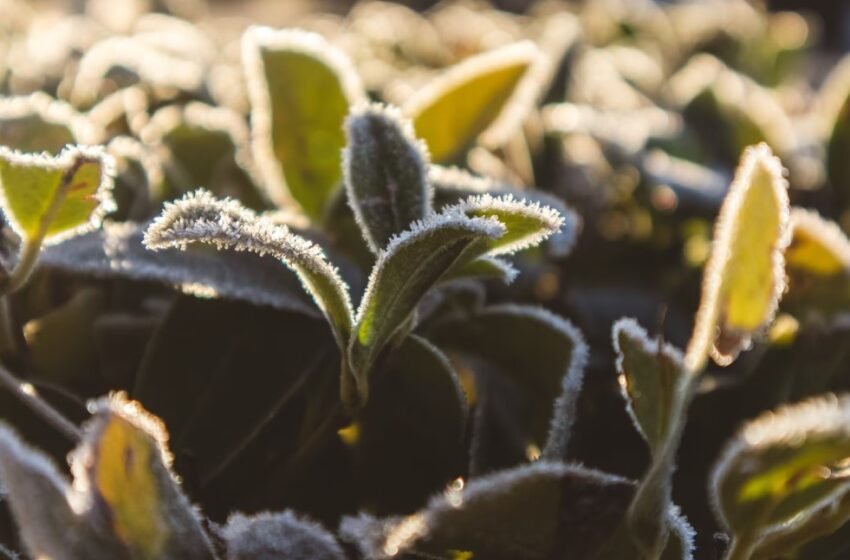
{"x":543,"y":353}
{"x":527,"y":223}
{"x":278,"y":535}
{"x":535,"y":512}
{"x":301,"y":89}
{"x":484,"y":268}
{"x":650,"y":376}
{"x":48,"y":199}
{"x":412,"y":263}
{"x":386,"y":173}
{"x":453,"y":185}
{"x":745,"y":276}
{"x":451,"y":112}
{"x":200,"y":218}
{"x":410,"y":434}
{"x":784,"y":464}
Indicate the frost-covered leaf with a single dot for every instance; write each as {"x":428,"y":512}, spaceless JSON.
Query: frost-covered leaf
{"x":527,"y":223}
{"x":452,"y":185}
{"x":386,"y":173}
{"x":745,"y":276}
{"x":117,"y":251}
{"x":818,"y":246}
{"x":535,"y":512}
{"x":48,"y":199}
{"x":410,"y":434}
{"x":123,"y":466}
{"x":484,"y":268}
{"x":650,"y":376}
{"x":680,"y":545}
{"x":411,"y":264}
{"x":200,"y":218}
{"x":543,"y":353}
{"x":54,"y":520}
{"x":38,"y":123}
{"x":784,"y":464}
{"x":301,"y":89}
{"x":452,"y":111}
{"x":278,"y":535}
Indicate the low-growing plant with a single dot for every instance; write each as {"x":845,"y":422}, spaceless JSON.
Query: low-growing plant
{"x":294,"y":295}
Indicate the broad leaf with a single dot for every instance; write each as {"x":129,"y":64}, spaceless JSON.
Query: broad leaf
{"x":48,"y":199}
{"x":301,"y":89}
{"x":409,"y":439}
{"x":744,"y":277}
{"x":536,"y":512}
{"x":411,"y":264}
{"x":785,"y":463}
{"x":386,"y":174}
{"x":650,"y":374}
{"x":544,"y":354}
{"x":117,"y":251}
{"x":484,"y":268}
{"x":200,"y":218}
{"x":278,"y":535}
{"x":451,"y":112}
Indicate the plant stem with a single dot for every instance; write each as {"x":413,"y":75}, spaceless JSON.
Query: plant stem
{"x":38,"y":405}
{"x":741,"y":548}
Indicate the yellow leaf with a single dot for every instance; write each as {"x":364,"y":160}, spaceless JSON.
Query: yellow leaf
{"x":817,"y":245}
{"x":745,"y":277}
{"x":455,"y":109}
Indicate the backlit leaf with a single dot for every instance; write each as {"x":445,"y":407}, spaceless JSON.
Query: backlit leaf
{"x":744,"y":277}
{"x":818,"y":246}
{"x":783,"y":464}
{"x":301,"y":89}
{"x":451,"y":112}
{"x":50,"y":199}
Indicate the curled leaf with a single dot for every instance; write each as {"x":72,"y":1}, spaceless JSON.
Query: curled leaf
{"x":527,"y":223}
{"x":386,"y":173}
{"x":301,"y":89}
{"x":199,"y":217}
{"x":451,"y":112}
{"x":744,"y":277}
{"x":818,"y":246}
{"x":782,"y":465}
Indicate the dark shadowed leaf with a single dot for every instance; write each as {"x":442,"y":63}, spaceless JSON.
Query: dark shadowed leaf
{"x":278,"y":535}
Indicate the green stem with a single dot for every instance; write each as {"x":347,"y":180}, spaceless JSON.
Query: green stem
{"x":35,"y":403}
{"x":647,"y":515}
{"x":741,"y":548}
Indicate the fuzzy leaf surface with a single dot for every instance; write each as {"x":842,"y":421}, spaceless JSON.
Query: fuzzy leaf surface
{"x":386,"y":173}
